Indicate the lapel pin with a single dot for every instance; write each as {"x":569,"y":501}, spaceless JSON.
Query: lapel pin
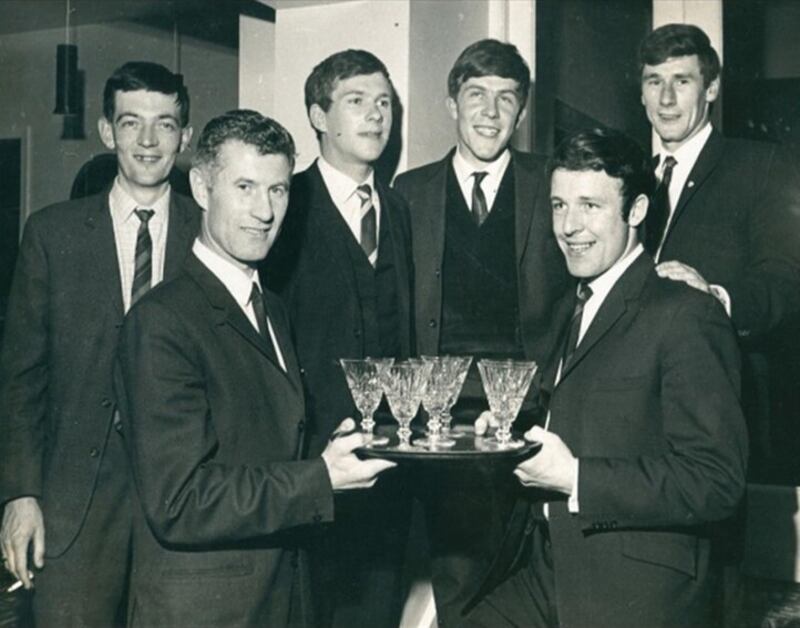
{"x":690,"y":184}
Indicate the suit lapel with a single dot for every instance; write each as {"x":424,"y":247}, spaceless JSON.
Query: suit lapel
{"x":435,"y":196}
{"x":181,"y":231}
{"x":102,"y":243}
{"x":627,"y":288}
{"x":229,"y":312}
{"x":526,"y":189}
{"x":706,"y":163}
{"x":283,"y":337}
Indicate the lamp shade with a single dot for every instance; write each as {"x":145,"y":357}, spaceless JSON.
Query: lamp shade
{"x":66,"y":79}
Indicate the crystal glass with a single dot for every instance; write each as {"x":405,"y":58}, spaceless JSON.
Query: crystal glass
{"x":506,"y":383}
{"x":435,"y":395}
{"x":363,"y":378}
{"x":403,"y":384}
{"x":458,"y":366}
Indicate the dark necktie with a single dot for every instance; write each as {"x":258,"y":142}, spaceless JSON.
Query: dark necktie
{"x":658,"y":216}
{"x":583,"y":294}
{"x":257,"y":301}
{"x":479,"y":208}
{"x":369,"y":224}
{"x":143,"y":258}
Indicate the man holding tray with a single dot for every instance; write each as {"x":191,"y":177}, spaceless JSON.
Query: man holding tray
{"x":644,"y":444}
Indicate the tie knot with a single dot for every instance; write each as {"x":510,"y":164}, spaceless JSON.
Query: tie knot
{"x":669,"y":162}
{"x":144,"y":215}
{"x":364,"y":192}
{"x":255,"y":293}
{"x":479,"y":176}
{"x":584,"y":292}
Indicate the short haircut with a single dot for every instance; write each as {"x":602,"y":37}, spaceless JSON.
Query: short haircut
{"x":346,"y":64}
{"x":489,"y":57}
{"x":247,"y":126}
{"x":680,"y":40}
{"x":151,"y":77}
{"x":611,"y":152}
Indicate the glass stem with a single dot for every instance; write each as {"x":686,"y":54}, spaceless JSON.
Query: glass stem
{"x":368,"y":424}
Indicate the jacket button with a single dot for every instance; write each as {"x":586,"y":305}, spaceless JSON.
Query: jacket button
{"x":317,"y":518}
{"x":437,"y":272}
{"x":94,"y":452}
{"x":432,"y":323}
{"x":106,"y":402}
{"x":357,"y":333}
{"x":302,"y":372}
{"x":301,"y":425}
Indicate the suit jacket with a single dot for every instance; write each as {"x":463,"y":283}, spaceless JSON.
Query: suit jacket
{"x":214,"y":428}
{"x":311,"y":269}
{"x":541,"y":272}
{"x":649,"y":405}
{"x":737,"y":222}
{"x":64,"y":315}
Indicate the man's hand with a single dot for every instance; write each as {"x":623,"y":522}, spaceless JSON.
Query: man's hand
{"x":678,"y":271}
{"x":22,"y":524}
{"x":346,"y":471}
{"x":553,"y":467}
{"x":484,"y":422}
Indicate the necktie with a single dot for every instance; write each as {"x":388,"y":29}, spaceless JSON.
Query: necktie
{"x":583,"y":294}
{"x":658,"y":216}
{"x":257,"y":302}
{"x":143,"y":258}
{"x":479,"y":207}
{"x":369,"y":224}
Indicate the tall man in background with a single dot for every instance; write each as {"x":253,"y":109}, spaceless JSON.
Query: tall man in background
{"x":725,"y":218}
{"x":487,"y":272}
{"x":343,"y":267}
{"x":82,"y":264}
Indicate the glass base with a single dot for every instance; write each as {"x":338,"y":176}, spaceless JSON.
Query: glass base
{"x":373,"y":440}
{"x":496,"y":445}
{"x":437,"y":442}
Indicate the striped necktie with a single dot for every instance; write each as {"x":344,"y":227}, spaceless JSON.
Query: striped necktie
{"x":658,"y":216}
{"x":143,"y":258}
{"x":369,"y":225}
{"x":480,"y":209}
{"x":584,"y":293}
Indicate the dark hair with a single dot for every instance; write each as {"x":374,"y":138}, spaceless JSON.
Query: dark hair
{"x":611,"y":152}
{"x":247,"y":126}
{"x":151,"y":77}
{"x":680,"y":40}
{"x":489,"y":57}
{"x":338,"y":67}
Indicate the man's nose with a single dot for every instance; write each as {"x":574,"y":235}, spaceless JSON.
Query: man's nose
{"x":667,"y":95}
{"x":147,"y":135}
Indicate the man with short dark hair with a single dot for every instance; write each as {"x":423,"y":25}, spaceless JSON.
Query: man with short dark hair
{"x":342,"y":265}
{"x":725,"y":219}
{"x":644,"y":443}
{"x":82,"y":264}
{"x":487,"y":273}
{"x":212,"y":401}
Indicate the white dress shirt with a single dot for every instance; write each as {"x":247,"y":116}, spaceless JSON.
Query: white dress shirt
{"x":686,"y":157}
{"x":491,"y":182}
{"x":126,"y":227}
{"x":240,"y":285}
{"x":343,"y":193}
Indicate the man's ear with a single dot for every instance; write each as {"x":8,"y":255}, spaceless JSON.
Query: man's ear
{"x":106,"y":130}
{"x":318,"y":118}
{"x":712,"y":91}
{"x":186,"y":137}
{"x":523,"y":112}
{"x":199,"y":183}
{"x":452,"y":107}
{"x":638,"y":210}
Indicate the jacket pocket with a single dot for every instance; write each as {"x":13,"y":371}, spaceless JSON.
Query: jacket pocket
{"x":667,"y":549}
{"x":205,"y":567}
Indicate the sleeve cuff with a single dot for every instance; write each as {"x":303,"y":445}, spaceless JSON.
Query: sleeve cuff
{"x":572,"y":502}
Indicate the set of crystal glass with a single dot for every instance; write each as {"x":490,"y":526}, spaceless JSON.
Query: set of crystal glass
{"x":435,"y":382}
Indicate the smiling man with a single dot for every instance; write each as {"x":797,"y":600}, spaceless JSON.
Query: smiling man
{"x":63,"y":472}
{"x":644,"y":443}
{"x":343,"y":265}
{"x":487,"y":272}
{"x":212,"y":401}
{"x":726,"y":219}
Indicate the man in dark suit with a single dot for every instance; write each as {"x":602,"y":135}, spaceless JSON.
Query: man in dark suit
{"x":63,"y":472}
{"x":644,"y":443}
{"x":212,"y":403}
{"x":343,"y":266}
{"x":728,"y":220}
{"x":487,"y":273}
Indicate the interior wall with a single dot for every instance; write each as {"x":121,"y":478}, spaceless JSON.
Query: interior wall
{"x":305,"y":35}
{"x":27,"y":90}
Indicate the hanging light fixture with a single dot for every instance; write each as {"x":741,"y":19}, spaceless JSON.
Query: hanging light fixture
{"x":67,"y":84}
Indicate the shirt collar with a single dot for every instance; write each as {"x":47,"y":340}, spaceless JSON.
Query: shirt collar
{"x":237,"y":281}
{"x":688,"y":153}
{"x":494,"y":170}
{"x":340,"y":186}
{"x":122,"y":204}
{"x":603,"y":284}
